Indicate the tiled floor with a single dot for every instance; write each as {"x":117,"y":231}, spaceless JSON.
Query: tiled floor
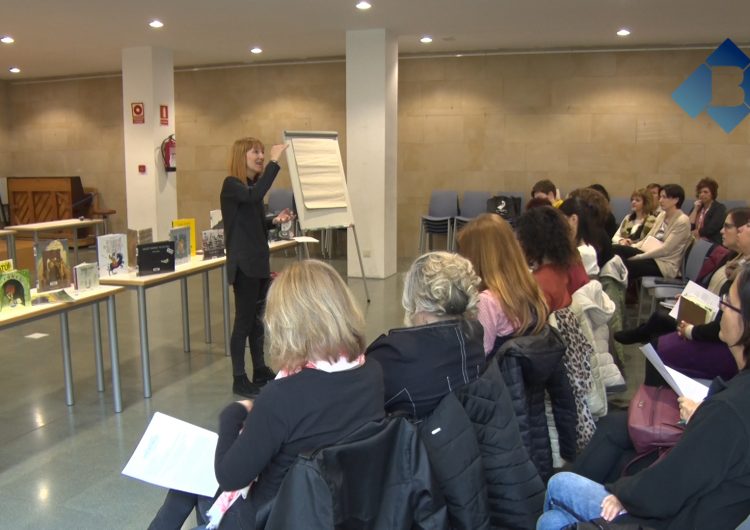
{"x":60,"y":466}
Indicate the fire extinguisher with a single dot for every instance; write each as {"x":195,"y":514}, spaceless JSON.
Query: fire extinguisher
{"x":169,"y":153}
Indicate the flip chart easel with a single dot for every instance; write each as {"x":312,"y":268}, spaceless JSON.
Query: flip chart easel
{"x":319,"y":184}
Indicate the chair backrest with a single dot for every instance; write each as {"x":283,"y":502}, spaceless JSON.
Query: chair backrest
{"x":280,"y":198}
{"x":620,"y":207}
{"x":474,"y":203}
{"x":695,"y":258}
{"x":444,"y":203}
{"x":735,"y":203}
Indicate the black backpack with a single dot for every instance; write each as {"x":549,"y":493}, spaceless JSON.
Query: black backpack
{"x":507,"y":207}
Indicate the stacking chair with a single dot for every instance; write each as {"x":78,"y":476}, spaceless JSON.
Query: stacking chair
{"x":474,"y":204}
{"x":620,"y":207}
{"x":662,"y":288}
{"x":443,"y":208}
{"x":735,"y":203}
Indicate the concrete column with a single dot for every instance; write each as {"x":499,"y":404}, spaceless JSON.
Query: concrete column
{"x":148,"y":78}
{"x":371,"y":129}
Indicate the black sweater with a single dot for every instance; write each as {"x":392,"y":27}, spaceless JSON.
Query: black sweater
{"x":245,"y":231}
{"x":298,"y":413}
{"x":704,"y":482}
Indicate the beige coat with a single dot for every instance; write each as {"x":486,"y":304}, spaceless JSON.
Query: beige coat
{"x":677,"y":238}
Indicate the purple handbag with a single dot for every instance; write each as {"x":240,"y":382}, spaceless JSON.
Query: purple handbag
{"x":654,"y":419}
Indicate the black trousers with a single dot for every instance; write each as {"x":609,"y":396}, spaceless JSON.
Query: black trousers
{"x":609,"y":451}
{"x":177,"y":507}
{"x":637,"y":268}
{"x":249,"y":304}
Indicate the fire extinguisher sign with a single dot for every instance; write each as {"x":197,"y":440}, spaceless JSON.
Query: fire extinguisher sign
{"x":163,"y":114}
{"x":136,"y":110}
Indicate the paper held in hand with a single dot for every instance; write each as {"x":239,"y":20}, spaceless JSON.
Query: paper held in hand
{"x":650,"y":243}
{"x":683,"y":385}
{"x":175,"y":454}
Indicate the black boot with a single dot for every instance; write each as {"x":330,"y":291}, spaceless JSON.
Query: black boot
{"x":243,"y":387}
{"x":633,"y":336}
{"x":262,"y":375}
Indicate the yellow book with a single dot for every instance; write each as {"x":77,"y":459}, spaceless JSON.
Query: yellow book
{"x":190,"y":223}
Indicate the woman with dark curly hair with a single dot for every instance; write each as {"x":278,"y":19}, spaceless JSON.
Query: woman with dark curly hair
{"x":707,"y":214}
{"x":544,"y":235}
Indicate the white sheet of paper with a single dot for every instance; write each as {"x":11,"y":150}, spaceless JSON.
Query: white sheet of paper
{"x":175,"y":454}
{"x":682,"y":384}
{"x":306,"y":239}
{"x":691,"y":388}
{"x":699,"y":292}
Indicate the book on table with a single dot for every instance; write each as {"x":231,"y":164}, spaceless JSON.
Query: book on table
{"x":15,"y":287}
{"x":137,"y":237}
{"x":193,"y":238}
{"x":112,"y":254}
{"x":213,"y":243}
{"x":52,"y":265}
{"x":85,"y":276}
{"x":155,"y":258}
{"x":181,"y":237}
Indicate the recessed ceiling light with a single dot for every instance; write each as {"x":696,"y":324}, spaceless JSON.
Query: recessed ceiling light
{"x":426,"y":39}
{"x":14,"y":70}
{"x":459,"y":55}
{"x":363,"y":6}
{"x":7,"y":40}
{"x":624,"y":32}
{"x":256,"y":50}
{"x":156,"y":24}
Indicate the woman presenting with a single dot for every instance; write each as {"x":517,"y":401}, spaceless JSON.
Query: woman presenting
{"x":248,"y":268}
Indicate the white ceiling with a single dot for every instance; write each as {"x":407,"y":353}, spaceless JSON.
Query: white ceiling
{"x":84,"y":37}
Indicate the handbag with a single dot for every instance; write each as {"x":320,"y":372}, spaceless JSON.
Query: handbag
{"x":654,"y":419}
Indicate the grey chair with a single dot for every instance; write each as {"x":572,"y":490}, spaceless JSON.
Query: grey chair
{"x":443,"y":209}
{"x":473,"y":205}
{"x":662,"y":288}
{"x":620,"y":207}
{"x":734,"y":203}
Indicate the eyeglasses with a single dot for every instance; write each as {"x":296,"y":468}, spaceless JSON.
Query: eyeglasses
{"x":725,"y":302}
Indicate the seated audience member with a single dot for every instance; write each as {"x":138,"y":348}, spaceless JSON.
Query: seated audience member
{"x":442,"y":339}
{"x":610,"y":223}
{"x":325,"y":390}
{"x":638,"y":223}
{"x":546,"y":189}
{"x":545,"y":238}
{"x":696,"y":350}
{"x":434,"y":370}
{"x":511,"y":303}
{"x":662,"y":251}
{"x":594,"y":245}
{"x":655,"y":190}
{"x":703,"y":482}
{"x":536,"y":202}
{"x":707,"y":214}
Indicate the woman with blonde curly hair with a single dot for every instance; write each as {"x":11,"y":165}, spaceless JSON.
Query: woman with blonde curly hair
{"x":441,"y":349}
{"x":324,"y":390}
{"x":511,"y":304}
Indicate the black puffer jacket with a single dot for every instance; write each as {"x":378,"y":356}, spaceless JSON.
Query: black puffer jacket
{"x":377,"y":478}
{"x":478,"y":458}
{"x":530,"y":365}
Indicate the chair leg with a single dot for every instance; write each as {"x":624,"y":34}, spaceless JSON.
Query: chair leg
{"x":421,"y":238}
{"x":449,"y":236}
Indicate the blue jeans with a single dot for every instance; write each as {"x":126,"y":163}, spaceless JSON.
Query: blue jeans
{"x":570,"y":498}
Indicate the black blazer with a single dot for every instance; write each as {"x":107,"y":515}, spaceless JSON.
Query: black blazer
{"x":245,"y":226}
{"x":713,"y":223}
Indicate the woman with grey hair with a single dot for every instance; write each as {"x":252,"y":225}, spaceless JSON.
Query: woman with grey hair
{"x":441,"y":349}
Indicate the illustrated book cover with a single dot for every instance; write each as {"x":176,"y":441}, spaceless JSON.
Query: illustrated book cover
{"x":181,"y":238}
{"x":85,"y":276}
{"x":190,"y":223}
{"x":15,"y":287}
{"x":213,"y":243}
{"x":112,"y":254}
{"x":52,"y":265}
